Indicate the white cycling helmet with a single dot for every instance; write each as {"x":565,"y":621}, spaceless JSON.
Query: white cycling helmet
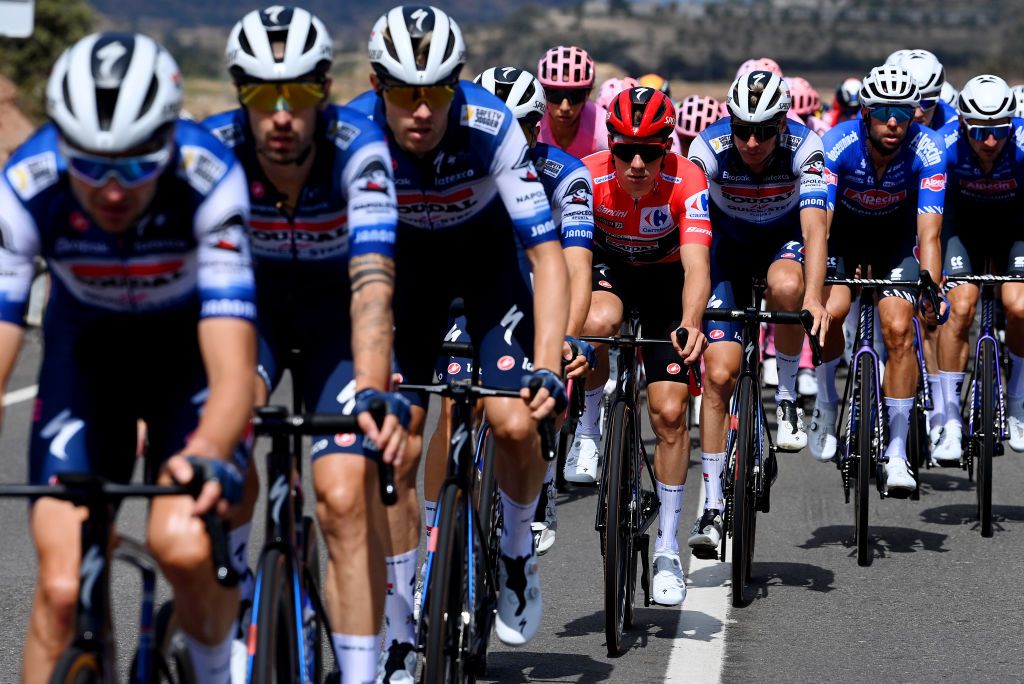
{"x":758,"y":96}
{"x":949,"y":93}
{"x":926,"y":70}
{"x":986,"y":98}
{"x":889,"y":85}
{"x":1018,"y":91}
{"x":417,"y":45}
{"x":520,"y":90}
{"x":895,"y":57}
{"x":307,"y":45}
{"x":111,"y":92}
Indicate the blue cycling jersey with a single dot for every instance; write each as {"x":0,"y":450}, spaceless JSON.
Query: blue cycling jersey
{"x":188,"y":249}
{"x":915,"y":177}
{"x":945,"y":113}
{"x":745,"y":204}
{"x":968,"y":183}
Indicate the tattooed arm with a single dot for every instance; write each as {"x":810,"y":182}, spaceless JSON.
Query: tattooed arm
{"x":373,"y":282}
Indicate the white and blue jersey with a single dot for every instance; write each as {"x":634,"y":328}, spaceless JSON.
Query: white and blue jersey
{"x":121,"y":326}
{"x":570,"y":192}
{"x":746,"y":206}
{"x":464,"y":210}
{"x":346,"y":209}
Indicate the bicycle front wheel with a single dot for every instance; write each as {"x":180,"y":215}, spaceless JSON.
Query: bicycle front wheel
{"x":276,"y":658}
{"x":77,"y":666}
{"x":446,"y":644}
{"x":743,"y":490}
{"x":618,"y":536}
{"x":987,"y":368}
{"x":866,"y":448}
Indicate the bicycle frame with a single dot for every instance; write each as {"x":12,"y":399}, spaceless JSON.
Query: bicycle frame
{"x":987,"y":333}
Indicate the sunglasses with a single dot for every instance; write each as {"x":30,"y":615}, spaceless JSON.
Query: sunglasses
{"x":129,"y":172}
{"x":898,"y":112}
{"x":411,"y":97}
{"x":648,"y":152}
{"x":761,"y":132}
{"x":574,"y":95}
{"x":925,"y":105}
{"x":981,"y":132}
{"x":273,"y":97}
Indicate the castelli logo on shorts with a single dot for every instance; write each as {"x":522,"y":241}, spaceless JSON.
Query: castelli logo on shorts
{"x":717,"y":334}
{"x":345,"y":439}
{"x":673,"y":368}
{"x":79,"y":222}
{"x":787,"y":255}
{"x":257,"y":190}
{"x":605,"y":284}
{"x":506,"y":363}
{"x":454,"y":368}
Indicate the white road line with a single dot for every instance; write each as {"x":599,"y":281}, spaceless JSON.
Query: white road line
{"x":699,"y":649}
{"x":20,"y":395}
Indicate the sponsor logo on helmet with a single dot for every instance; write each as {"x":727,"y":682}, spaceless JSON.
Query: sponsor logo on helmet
{"x":935,"y":183}
{"x":506,"y":363}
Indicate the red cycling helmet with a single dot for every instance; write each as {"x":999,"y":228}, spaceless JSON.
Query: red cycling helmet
{"x":641,"y":113}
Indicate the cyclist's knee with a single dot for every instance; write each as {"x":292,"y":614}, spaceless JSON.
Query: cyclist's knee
{"x":785,"y":288}
{"x":1013,"y":305}
{"x":514,"y":426}
{"x":898,"y":331}
{"x":602,"y":321}
{"x":342,"y":511}
{"x":719,"y":377}
{"x":58,"y":596}
{"x":961,"y":311}
{"x":667,"y":417}
{"x":180,"y":546}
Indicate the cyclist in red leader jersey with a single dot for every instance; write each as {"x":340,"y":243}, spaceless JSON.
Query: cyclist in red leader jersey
{"x":650,"y":218}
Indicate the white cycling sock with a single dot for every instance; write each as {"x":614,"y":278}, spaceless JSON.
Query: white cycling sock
{"x":357,"y":657}
{"x":951,"y":384}
{"x":211,"y":664}
{"x":827,"y":393}
{"x":713,"y":466}
{"x":401,"y":576}
{"x":238,"y":545}
{"x":590,"y":421}
{"x":899,"y":423}
{"x":938,"y":416}
{"x":787,"y":367}
{"x":517,"y":535}
{"x":1015,"y":387}
{"x":671,"y":498}
{"x":429,"y":513}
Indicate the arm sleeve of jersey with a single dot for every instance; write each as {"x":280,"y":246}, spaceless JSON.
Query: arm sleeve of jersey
{"x":520,"y":189}
{"x":574,"y":197}
{"x":227,"y":288}
{"x":19,"y":245}
{"x":703,"y":157}
{"x":832,"y":164}
{"x":809,"y":167}
{"x":694,"y":220}
{"x":370,"y":190}
{"x":931,"y":159}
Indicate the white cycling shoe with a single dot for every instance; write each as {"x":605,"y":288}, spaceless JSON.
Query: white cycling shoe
{"x":898,"y":477}
{"x":581,"y":463}
{"x":669,"y":583}
{"x":807,"y":382}
{"x":821,"y":435}
{"x":1016,"y":430}
{"x":520,"y":606}
{"x":791,"y":435}
{"x":544,"y":531}
{"x":949,"y":449}
{"x":706,"y":534}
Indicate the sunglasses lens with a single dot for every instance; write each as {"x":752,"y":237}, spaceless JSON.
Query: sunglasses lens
{"x":129,"y":171}
{"x":928,"y":104}
{"x":271,"y":97}
{"x":574,"y":96}
{"x":410,"y":97}
{"x":981,"y":133}
{"x":760,"y":133}
{"x":627,"y":152}
{"x":901,"y":114}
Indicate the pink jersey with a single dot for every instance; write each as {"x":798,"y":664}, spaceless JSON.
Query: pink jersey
{"x":591,"y":137}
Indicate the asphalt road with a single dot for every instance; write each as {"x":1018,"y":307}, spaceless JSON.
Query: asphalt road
{"x":939,"y":603}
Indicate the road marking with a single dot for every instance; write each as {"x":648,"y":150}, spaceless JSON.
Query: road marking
{"x":699,"y":649}
{"x":20,"y":395}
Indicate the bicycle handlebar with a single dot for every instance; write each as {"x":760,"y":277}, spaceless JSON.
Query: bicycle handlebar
{"x":803,"y":318}
{"x":85,"y":490}
{"x":928,"y":287}
{"x":275,"y":420}
{"x":636,"y":341}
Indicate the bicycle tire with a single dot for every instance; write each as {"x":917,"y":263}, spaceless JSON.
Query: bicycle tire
{"x":983,"y":470}
{"x":77,"y":666}
{"x":618,"y":537}
{"x":917,"y":438}
{"x":743,"y":494}
{"x":276,"y":657}
{"x":311,"y":560}
{"x":488,"y":503}
{"x":866,"y":457}
{"x":171,"y":663}
{"x":443,"y":608}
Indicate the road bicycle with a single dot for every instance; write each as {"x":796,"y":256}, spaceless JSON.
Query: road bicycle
{"x":627,"y":498}
{"x":91,"y":658}
{"x":752,"y":467}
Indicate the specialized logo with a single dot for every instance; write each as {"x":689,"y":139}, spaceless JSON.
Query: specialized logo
{"x":509,"y":321}
{"x":108,"y":57}
{"x":62,"y":428}
{"x":935,"y":183}
{"x":506,"y":363}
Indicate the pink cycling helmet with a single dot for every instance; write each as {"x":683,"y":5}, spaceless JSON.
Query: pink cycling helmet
{"x":566,"y":67}
{"x":723,"y":109}
{"x":762,"y":64}
{"x":612,"y":87}
{"x":695,"y":113}
{"x":806,"y":100}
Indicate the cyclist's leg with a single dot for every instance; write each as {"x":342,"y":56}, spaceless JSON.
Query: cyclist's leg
{"x":896,"y":309}
{"x":1013,"y":304}
{"x":785,"y":292}
{"x":77,"y":414}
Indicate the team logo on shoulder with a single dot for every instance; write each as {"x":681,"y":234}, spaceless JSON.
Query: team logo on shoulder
{"x":482,"y":118}
{"x":697,"y":206}
{"x":343,"y":134}
{"x":201,"y":167}
{"x":579,"y":192}
{"x":374,"y":176}
{"x":31,"y":176}
{"x":815,"y":164}
{"x":549,"y":167}
{"x":934,"y":183}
